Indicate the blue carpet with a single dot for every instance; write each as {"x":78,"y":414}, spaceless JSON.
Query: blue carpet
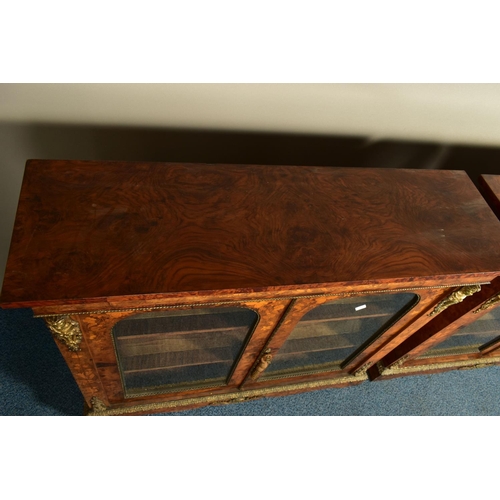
{"x":34,"y":380}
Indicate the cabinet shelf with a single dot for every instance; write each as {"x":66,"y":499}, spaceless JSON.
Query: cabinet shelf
{"x":142,"y":328}
{"x":130,"y":350}
{"x":343,"y":318}
{"x":171,"y":364}
{"x":166,"y":335}
{"x":297,"y":346}
{"x":478,"y":333}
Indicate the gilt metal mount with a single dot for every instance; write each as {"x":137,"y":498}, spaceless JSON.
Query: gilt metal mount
{"x":489,"y":303}
{"x":97,"y":407}
{"x":263,"y":363}
{"x":363,"y":368}
{"x":66,"y":330}
{"x":455,"y":297}
{"x":398,"y":364}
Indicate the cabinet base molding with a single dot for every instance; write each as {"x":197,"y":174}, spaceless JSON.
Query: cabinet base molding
{"x":99,"y":409}
{"x":454,"y":365}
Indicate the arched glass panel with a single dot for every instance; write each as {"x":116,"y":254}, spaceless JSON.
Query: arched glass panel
{"x":336,"y":331}
{"x":176,"y":350}
{"x":469,"y":338}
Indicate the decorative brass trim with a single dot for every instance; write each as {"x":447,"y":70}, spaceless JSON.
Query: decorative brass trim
{"x":98,"y":407}
{"x":67,"y":330}
{"x":383,"y":369}
{"x":243,"y":399}
{"x":264,"y":362}
{"x":456,"y":297}
{"x":465,"y":364}
{"x":217,"y":399}
{"x":201,"y":304}
{"x":363,"y":368}
{"x":489,"y":303}
{"x":401,"y":361}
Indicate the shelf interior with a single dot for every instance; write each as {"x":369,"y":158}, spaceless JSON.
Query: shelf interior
{"x":469,"y":338}
{"x":329,"y":334}
{"x":180,"y":349}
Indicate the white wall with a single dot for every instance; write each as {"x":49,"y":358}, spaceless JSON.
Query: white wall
{"x":438,"y":112}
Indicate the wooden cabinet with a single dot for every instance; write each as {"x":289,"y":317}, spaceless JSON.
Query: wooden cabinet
{"x":173,"y":286}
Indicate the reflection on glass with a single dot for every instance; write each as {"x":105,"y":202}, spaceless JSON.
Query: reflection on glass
{"x":333,"y":332}
{"x":469,"y":338}
{"x":163,"y":351}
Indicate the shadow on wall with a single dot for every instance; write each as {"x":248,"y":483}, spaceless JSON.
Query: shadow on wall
{"x":136,"y":144}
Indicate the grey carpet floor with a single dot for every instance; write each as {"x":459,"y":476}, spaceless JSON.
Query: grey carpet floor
{"x":34,"y":380}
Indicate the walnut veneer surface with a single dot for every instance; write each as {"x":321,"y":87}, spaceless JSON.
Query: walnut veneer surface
{"x":87,"y":229}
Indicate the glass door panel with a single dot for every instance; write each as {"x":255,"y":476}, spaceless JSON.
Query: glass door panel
{"x":164,"y":351}
{"x":469,"y":338}
{"x":334,"y":332}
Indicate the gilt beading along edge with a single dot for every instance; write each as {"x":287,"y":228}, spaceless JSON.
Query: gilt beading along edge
{"x":98,"y":410}
{"x":234,"y":302}
{"x":468,"y":363}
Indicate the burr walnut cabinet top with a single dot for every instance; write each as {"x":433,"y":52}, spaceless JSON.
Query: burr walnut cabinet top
{"x":93,"y":229}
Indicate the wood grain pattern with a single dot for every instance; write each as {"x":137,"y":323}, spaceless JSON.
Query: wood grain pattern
{"x":90,"y":230}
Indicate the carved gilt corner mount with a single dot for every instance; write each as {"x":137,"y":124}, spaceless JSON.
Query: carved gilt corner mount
{"x":97,"y":407}
{"x":456,"y":297}
{"x":66,"y":330}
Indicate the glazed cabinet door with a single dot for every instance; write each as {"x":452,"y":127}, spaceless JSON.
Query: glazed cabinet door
{"x":174,"y":350}
{"x":328,"y":336}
